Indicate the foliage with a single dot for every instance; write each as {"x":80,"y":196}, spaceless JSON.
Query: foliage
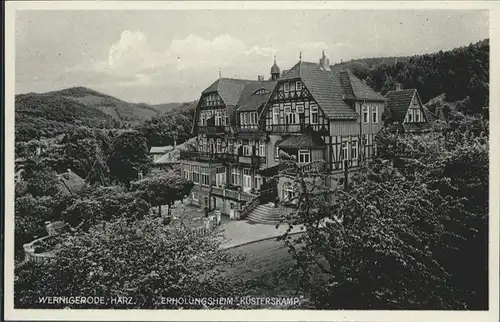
{"x":30,"y":216}
{"x":399,"y":236}
{"x":173,"y":125}
{"x":163,"y":190}
{"x":129,"y":155}
{"x":459,"y":73}
{"x":40,"y":181}
{"x":145,"y":260}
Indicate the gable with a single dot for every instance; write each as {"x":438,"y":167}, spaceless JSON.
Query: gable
{"x":415,"y":111}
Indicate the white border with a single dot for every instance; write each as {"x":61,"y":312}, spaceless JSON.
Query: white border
{"x":254,"y":315}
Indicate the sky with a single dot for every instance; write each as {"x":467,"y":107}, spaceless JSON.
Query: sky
{"x":171,"y":56}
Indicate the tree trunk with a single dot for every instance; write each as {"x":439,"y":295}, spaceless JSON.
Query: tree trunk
{"x":159,"y":210}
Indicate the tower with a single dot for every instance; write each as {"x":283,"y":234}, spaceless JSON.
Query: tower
{"x":275,"y":70}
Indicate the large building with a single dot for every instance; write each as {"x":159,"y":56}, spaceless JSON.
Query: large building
{"x":312,"y":112}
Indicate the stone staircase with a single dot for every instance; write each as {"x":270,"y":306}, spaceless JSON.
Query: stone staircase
{"x":264,"y":214}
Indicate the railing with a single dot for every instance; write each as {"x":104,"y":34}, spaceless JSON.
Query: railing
{"x":213,"y":129}
{"x":232,"y":194}
{"x":253,"y":160}
{"x":29,"y":251}
{"x":248,"y":207}
{"x":285,"y":128}
{"x":208,"y":156}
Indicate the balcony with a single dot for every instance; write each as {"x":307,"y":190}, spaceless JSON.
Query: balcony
{"x":233,"y":194}
{"x":208,"y":156}
{"x":213,"y":129}
{"x":253,"y":160}
{"x":285,"y":128}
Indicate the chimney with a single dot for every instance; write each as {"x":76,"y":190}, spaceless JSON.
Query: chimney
{"x":399,"y":86}
{"x":324,"y":62}
{"x":260,"y":78}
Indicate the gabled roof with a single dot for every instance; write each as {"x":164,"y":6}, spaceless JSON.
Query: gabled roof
{"x":398,"y":102}
{"x":160,"y":149}
{"x":229,"y":89}
{"x":332,"y":88}
{"x":250,"y":101}
{"x":70,"y":182}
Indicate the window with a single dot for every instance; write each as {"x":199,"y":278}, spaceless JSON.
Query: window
{"x":230,"y":147}
{"x":226,"y":120}
{"x":276,"y":152}
{"x":304,"y":156}
{"x":417,"y":116}
{"x":195,"y":174}
{"x":290,"y":116}
{"x":375,"y":114}
{"x":286,"y":87}
{"x":410,"y":115}
{"x":219,"y":117}
{"x":220,"y":179}
{"x":202,"y":118}
{"x":276,"y":115}
{"x":245,"y":118}
{"x":242,"y":121}
{"x":219,"y":146}
{"x":298,"y":85}
{"x":366,"y":117}
{"x":247,"y":179}
{"x":288,"y":191}
{"x":186,"y":172}
{"x":235,"y":177}
{"x":247,"y":150}
{"x":354,"y":149}
{"x":258,"y":181}
{"x":205,"y":178}
{"x":314,"y":114}
{"x":345,"y":150}
{"x":262,"y":149}
{"x":300,"y":107}
{"x":253,"y":118}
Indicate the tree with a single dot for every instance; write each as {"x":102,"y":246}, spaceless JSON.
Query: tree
{"x":146,"y":260}
{"x":128,"y":156}
{"x":400,"y":235}
{"x":40,"y":181}
{"x":163,"y":190}
{"x":30,"y":216}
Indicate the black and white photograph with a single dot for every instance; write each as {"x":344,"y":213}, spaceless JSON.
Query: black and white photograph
{"x":249,"y":158}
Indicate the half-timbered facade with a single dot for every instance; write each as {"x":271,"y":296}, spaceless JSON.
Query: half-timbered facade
{"x":312,"y":112}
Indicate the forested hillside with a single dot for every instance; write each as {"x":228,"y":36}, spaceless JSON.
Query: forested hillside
{"x":459,"y":73}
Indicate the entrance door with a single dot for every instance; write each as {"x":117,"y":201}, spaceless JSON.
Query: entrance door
{"x":247,"y":180}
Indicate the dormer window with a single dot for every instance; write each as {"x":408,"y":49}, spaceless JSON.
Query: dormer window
{"x":261,"y":91}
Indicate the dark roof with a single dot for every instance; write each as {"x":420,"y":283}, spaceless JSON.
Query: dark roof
{"x":250,"y":101}
{"x":229,"y":89}
{"x":70,"y":183}
{"x":306,"y":140}
{"x":398,"y":102}
{"x":332,"y":88}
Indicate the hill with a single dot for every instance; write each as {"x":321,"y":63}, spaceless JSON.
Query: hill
{"x":166,"y":107}
{"x":53,"y":113}
{"x":116,"y":108}
{"x":460,"y":73}
{"x":48,"y":115}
